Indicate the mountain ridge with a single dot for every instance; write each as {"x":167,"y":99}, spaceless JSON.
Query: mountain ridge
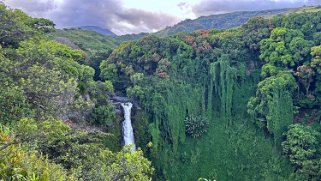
{"x":98,"y":29}
{"x":218,"y":21}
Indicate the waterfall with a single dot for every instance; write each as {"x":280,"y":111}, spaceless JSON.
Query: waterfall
{"x":127,"y":126}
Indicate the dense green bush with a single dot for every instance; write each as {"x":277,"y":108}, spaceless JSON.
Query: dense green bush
{"x":104,"y":115}
{"x":196,"y":126}
{"x":302,"y":147}
{"x":18,"y":164}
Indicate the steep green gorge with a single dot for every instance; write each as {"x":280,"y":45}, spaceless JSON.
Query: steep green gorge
{"x":248,"y":83}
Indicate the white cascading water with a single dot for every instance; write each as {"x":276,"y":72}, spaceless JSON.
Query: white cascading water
{"x":127,"y":126}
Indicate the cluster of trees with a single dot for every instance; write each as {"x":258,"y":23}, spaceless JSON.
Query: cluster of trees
{"x":302,"y":146}
{"x":46,"y":90}
{"x":96,"y":46}
{"x":289,"y":72}
{"x":66,"y":154}
{"x":289,"y":89}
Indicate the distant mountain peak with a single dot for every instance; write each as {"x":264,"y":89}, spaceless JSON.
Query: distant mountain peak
{"x":98,"y":29}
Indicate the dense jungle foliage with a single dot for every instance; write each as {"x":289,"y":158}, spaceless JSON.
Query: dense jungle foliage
{"x":237,"y":104}
{"x":50,"y":105}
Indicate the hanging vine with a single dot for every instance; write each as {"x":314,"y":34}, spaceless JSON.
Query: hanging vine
{"x":222,"y":84}
{"x":280,"y":114}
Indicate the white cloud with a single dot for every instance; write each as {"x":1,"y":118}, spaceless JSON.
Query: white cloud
{"x":207,"y":7}
{"x":109,"y":14}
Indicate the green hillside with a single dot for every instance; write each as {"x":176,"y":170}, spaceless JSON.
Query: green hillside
{"x":225,"y":21}
{"x":85,"y":39}
{"x":91,"y":41}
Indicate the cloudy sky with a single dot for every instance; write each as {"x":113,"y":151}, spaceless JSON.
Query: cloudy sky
{"x":134,"y":16}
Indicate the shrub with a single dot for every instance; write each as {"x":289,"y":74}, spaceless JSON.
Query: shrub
{"x":17,"y":164}
{"x":196,"y":126}
{"x":104,"y":115}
